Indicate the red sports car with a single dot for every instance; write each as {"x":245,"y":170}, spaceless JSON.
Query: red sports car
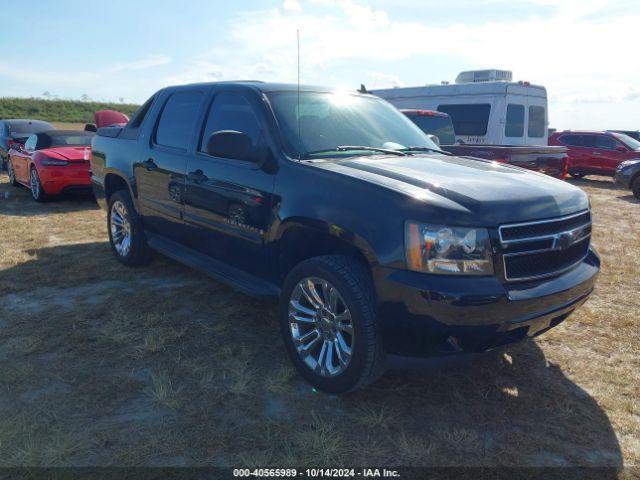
{"x":52,"y":162}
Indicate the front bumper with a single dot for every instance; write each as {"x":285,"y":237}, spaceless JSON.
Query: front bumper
{"x":424,"y":315}
{"x":622,"y":178}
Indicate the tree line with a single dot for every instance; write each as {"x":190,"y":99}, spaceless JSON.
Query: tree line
{"x":70,"y":111}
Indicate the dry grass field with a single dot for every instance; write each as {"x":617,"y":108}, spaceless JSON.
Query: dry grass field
{"x":104,"y":365}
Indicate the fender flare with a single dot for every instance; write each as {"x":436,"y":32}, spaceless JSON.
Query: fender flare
{"x":340,"y":233}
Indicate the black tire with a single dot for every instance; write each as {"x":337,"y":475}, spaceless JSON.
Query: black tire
{"x":11,"y":173}
{"x":576,"y":175}
{"x":635,"y":187}
{"x":37,"y":193}
{"x":353,"y":281}
{"x":139,"y":253}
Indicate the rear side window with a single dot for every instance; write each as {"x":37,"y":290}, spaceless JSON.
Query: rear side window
{"x":515,"y":121}
{"x":468,"y":119}
{"x":440,"y":126}
{"x":231,"y":111}
{"x":178,"y":118}
{"x":537,"y":121}
{"x":572,"y":140}
{"x":140,"y":115}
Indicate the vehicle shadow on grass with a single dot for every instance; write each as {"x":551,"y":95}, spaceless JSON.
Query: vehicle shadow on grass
{"x":159,"y":366}
{"x":18,"y":201}
{"x":513,"y":406}
{"x":595,"y":182}
{"x":630,"y":199}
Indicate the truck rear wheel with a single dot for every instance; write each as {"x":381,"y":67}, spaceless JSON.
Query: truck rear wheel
{"x":126,"y":235}
{"x":328,"y":323}
{"x":635,"y":187}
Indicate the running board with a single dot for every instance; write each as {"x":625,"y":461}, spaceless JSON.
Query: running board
{"x":235,"y":278}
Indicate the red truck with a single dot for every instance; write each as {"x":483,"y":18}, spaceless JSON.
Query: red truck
{"x":596,"y":152}
{"x":551,"y":160}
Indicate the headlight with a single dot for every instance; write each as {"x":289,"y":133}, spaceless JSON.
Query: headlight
{"x":627,"y":163}
{"x":448,"y":250}
{"x":53,"y":162}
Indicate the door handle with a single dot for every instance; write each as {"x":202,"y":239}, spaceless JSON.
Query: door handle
{"x":150,"y":165}
{"x":596,"y":153}
{"x":197,"y":177}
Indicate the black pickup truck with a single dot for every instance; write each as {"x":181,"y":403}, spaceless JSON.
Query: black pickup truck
{"x":378,"y":245}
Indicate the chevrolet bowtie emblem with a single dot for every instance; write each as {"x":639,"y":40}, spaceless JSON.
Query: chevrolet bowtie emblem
{"x":564,"y":240}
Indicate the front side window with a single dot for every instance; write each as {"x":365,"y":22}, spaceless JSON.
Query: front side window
{"x":321,"y":121}
{"x":231,"y":111}
{"x":605,"y":142}
{"x":515,"y":121}
{"x":468,"y":119}
{"x":537,"y":121}
{"x":178,"y":119}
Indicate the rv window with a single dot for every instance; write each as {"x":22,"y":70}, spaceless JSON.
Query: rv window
{"x":537,"y":122}
{"x":515,"y":121}
{"x":468,"y":119}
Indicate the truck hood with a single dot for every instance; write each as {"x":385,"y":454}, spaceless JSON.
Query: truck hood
{"x":474,"y":192}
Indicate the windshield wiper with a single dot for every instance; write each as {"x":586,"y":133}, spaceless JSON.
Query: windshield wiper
{"x":425,"y":149}
{"x":347,"y":148}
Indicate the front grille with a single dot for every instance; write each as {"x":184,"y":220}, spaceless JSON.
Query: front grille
{"x":544,"y":248}
{"x":539,"y":229}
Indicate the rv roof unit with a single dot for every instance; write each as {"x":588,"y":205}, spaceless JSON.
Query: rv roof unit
{"x":477,"y":76}
{"x":486,"y":107}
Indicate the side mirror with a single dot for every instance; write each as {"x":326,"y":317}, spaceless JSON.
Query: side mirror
{"x":90,"y":127}
{"x":231,"y":144}
{"x":620,"y":148}
{"x":434,"y":139}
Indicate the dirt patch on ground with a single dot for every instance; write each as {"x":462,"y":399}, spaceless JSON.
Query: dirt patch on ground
{"x":103,"y":365}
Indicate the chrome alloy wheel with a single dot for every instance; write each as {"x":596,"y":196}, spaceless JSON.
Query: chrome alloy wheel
{"x":120,"y":228}
{"x":321,"y":326}
{"x":34,"y":183}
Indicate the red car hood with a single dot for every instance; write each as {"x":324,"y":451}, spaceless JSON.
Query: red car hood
{"x":71,"y":154}
{"x":108,"y":118}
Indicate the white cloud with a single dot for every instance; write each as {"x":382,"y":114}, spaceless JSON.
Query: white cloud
{"x":292,"y":6}
{"x":142,"y":64}
{"x":579,"y":52}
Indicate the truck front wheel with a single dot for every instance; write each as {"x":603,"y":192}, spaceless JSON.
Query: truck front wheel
{"x":126,"y":235}
{"x":328,"y":322}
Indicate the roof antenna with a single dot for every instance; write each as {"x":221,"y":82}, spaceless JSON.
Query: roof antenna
{"x":298,"y":112}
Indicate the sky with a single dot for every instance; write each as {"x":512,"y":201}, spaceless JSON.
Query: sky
{"x":585,"y":52}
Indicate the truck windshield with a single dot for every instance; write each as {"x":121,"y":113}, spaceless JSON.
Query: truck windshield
{"x":322,"y":122}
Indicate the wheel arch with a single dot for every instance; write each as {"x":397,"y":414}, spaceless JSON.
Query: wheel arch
{"x":113,"y":182}
{"x":299,"y":239}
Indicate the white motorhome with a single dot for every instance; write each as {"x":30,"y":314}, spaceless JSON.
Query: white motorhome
{"x":486,"y":107}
